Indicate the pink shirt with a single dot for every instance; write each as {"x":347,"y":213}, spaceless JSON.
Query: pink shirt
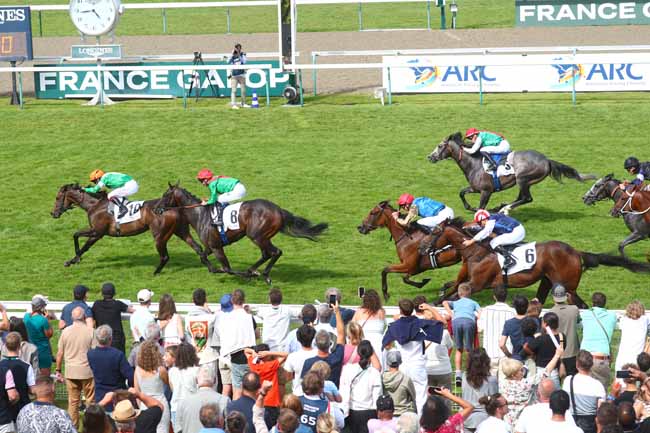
{"x":454,"y":424}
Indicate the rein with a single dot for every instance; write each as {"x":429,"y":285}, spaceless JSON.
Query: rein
{"x":629,"y":204}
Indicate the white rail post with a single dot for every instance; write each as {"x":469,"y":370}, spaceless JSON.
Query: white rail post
{"x":313,"y":71}
{"x":164,"y":20}
{"x":360,"y":14}
{"x":228,"y":20}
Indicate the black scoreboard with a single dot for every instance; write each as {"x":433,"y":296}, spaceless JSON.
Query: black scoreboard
{"x":15,"y":34}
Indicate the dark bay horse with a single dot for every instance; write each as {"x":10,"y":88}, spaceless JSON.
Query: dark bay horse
{"x":102,"y":223}
{"x":530,"y":167}
{"x":607,"y":188}
{"x":259,"y":220}
{"x":557,"y":262}
{"x":407,"y":244}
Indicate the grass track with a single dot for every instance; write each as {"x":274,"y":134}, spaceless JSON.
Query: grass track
{"x":330,"y":161}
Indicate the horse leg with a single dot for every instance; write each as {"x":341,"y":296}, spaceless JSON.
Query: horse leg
{"x":523,"y":197}
{"x":225,"y":264}
{"x":485,"y":199}
{"x":462,"y":197}
{"x":275,"y":255}
{"x":161,"y":246}
{"x":418,"y":284}
{"x":184,"y":233}
{"x":545,"y":286}
{"x":401,"y":268}
{"x":632,"y":238}
{"x":91,"y":235}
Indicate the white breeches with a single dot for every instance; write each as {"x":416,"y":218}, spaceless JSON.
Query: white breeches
{"x":517,"y":235}
{"x":237,"y":193}
{"x":431,"y":222}
{"x":503,"y":147}
{"x":418,"y":376}
{"x":129,"y":188}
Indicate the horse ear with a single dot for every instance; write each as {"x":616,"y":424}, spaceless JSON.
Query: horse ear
{"x":383,"y":204}
{"x":169,"y":184}
{"x":178,"y":182}
{"x":609,"y":176}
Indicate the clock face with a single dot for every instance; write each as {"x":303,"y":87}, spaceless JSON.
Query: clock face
{"x":94,"y":17}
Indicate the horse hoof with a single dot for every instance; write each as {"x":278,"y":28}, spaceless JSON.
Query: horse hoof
{"x":67,"y":263}
{"x":425,"y":281}
{"x":268,"y":280}
{"x":252,"y":273}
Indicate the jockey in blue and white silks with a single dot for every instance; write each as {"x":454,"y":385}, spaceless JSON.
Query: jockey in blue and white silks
{"x":430,"y":212}
{"x":507,"y":231}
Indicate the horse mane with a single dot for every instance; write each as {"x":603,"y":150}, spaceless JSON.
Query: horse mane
{"x":385,"y":204}
{"x":457,"y":137}
{"x":76,"y":187}
{"x":457,"y":222}
{"x":186,"y":192}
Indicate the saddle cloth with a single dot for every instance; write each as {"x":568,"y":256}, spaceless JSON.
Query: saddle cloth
{"x":504,"y":162}
{"x":132,"y":215}
{"x":525,"y":254}
{"x":230,"y":216}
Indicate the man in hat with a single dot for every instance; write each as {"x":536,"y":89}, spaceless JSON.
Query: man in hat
{"x":42,"y":416}
{"x":108,"y":311}
{"x":385,"y":411}
{"x":398,"y":385}
{"x":141,"y":316}
{"x":80,"y":296}
{"x":569,"y":316}
{"x":130,"y":420}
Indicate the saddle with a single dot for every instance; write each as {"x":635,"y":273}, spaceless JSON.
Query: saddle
{"x":503,"y":167}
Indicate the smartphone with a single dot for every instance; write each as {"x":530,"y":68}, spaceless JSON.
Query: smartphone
{"x":433,"y":390}
{"x":623,"y":374}
{"x":362,"y":291}
{"x":332,"y":300}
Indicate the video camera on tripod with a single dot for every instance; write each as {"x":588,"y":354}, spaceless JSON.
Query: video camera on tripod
{"x":196,"y":78}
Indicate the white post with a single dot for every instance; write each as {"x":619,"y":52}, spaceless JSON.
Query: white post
{"x":280,"y":34}
{"x":294,"y":25}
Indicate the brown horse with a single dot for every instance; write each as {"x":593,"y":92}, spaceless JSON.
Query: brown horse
{"x":260,"y":220}
{"x":102,"y":223}
{"x":407,"y":243}
{"x":633,"y":203}
{"x":557,"y":263}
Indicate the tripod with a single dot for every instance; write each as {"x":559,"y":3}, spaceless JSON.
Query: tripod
{"x":196,"y":79}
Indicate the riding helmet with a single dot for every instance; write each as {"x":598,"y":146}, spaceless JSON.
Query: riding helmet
{"x":471,"y":132}
{"x":96,"y":175}
{"x":631,"y":162}
{"x":481,"y":215}
{"x":405,"y":199}
{"x":205,"y":174}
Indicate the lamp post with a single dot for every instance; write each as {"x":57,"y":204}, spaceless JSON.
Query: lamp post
{"x":453,"y":8}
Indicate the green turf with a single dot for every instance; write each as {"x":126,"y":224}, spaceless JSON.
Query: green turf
{"x":313,"y":18}
{"x":332,"y":161}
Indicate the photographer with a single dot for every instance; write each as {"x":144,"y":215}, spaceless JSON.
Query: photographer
{"x":237,"y":76}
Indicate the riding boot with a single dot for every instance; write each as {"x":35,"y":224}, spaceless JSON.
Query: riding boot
{"x":492,"y":165}
{"x":220,"y":208}
{"x":509,"y":260}
{"x":119,"y":202}
{"x":425,"y":229}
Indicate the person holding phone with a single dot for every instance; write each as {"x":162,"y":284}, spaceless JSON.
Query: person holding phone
{"x":39,"y":332}
{"x":436,"y":416}
{"x":237,"y":77}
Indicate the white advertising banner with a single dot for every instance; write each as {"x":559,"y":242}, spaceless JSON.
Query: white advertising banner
{"x":518,"y":73}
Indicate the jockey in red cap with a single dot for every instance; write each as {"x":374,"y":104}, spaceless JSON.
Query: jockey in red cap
{"x":507,"y":231}
{"x":223,"y":190}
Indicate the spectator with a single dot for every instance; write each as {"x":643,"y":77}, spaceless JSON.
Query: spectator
{"x":326,"y":424}
{"x":540,"y":410}
{"x":4,"y":323}
{"x":355,"y":336}
{"x":438,"y":364}
{"x":236,"y":423}
{"x":151,"y":333}
{"x":96,"y":420}
{"x":330,"y":390}
{"x":276,"y":319}
{"x":308,"y":316}
{"x":129,"y":420}
{"x":170,"y":322}
{"x":314,"y":403}
{"x":237,"y":76}
{"x":346,"y":313}
{"x":529,"y":328}
{"x":323,"y":344}
{"x":569,"y":317}
{"x":40,"y":332}
{"x":630,"y":390}
{"x":266,"y":364}
{"x":643,"y":361}
{"x":436,"y":416}
{"x":258,"y":410}
{"x":372,"y":318}
{"x":634,"y":333}
{"x":182,"y":378}
{"x":496,"y":407}
{"x":535,"y":311}
{"x":478,"y":383}
{"x":627,"y":416}
{"x":398,"y":385}
{"x":491,"y":322}
{"x":202,"y":329}
{"x":411,"y":333}
{"x":385,"y":422}
{"x":16,"y":383}
{"x":296,"y":360}
{"x":188,"y":410}
{"x":324,"y":313}
{"x":586,"y":391}
{"x":606,"y":415}
{"x":518,"y":389}
{"x":236,"y":333}
{"x":465,"y":313}
{"x":597,"y":329}
{"x":557,"y":423}
{"x":80,"y":294}
{"x":360,"y":389}
{"x":42,"y":416}
{"x":244,"y":404}
{"x":27,"y":351}
{"x":408,"y":423}
{"x":141,"y":316}
{"x":543,"y":347}
{"x":291,"y":401}
{"x":150,"y":378}
{"x":74,"y":344}
{"x":642,"y":401}
{"x":111,"y":371}
{"x":512,"y":330}
{"x":109,"y":312}
{"x":211,"y":419}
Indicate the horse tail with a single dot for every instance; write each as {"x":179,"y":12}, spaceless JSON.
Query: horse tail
{"x":592,"y":260}
{"x":558,"y":170}
{"x":299,"y":227}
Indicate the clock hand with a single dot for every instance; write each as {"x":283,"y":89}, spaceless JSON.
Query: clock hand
{"x":96,"y":14}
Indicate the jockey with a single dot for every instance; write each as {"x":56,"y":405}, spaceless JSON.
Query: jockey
{"x":122,"y":186}
{"x":430,"y":212}
{"x":508,"y":231}
{"x":488,"y":142}
{"x":223,"y":190}
{"x":641,"y":170}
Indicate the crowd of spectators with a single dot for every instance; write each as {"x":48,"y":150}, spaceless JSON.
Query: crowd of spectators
{"x":224,"y":368}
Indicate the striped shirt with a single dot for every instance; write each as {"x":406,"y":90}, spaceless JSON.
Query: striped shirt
{"x":491,"y":324}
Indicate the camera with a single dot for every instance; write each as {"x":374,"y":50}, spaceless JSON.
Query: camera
{"x":434,"y":390}
{"x":623,"y":374}
{"x":197,"y":56}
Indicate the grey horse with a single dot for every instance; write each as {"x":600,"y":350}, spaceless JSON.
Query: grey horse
{"x":530,"y":167}
{"x":607,"y":187}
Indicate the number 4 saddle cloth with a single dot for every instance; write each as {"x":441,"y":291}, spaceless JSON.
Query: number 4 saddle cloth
{"x":525,"y":255}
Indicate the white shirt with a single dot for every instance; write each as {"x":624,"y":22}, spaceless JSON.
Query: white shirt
{"x":359,"y":388}
{"x":437,"y":355}
{"x":412,"y":354}
{"x":183,"y":384}
{"x":140,"y":318}
{"x":533,"y":413}
{"x":633,"y":337}
{"x":493,"y":425}
{"x":294,"y":363}
{"x":587,"y":391}
{"x":236,"y":331}
{"x":491,"y":324}
{"x":546,"y":426}
{"x":276,"y":321}
{"x":170,"y":334}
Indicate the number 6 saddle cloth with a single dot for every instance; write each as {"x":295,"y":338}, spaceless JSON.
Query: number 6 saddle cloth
{"x":525,"y":255}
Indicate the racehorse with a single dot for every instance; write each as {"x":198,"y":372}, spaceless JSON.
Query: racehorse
{"x":530,"y":167}
{"x":606,"y":188}
{"x":259,"y":220}
{"x":636,"y":203}
{"x":407,"y":243}
{"x":102,"y":223}
{"x":557,"y":263}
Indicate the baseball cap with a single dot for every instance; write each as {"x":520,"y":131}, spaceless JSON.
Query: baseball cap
{"x":145,"y":295}
{"x":559,"y":293}
{"x":226,"y":303}
{"x":393,"y":358}
{"x":39,"y":301}
{"x":108,"y":289}
{"x":79,"y":291}
{"x":385,"y":402}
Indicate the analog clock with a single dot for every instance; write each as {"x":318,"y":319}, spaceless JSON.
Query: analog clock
{"x":94,"y":17}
